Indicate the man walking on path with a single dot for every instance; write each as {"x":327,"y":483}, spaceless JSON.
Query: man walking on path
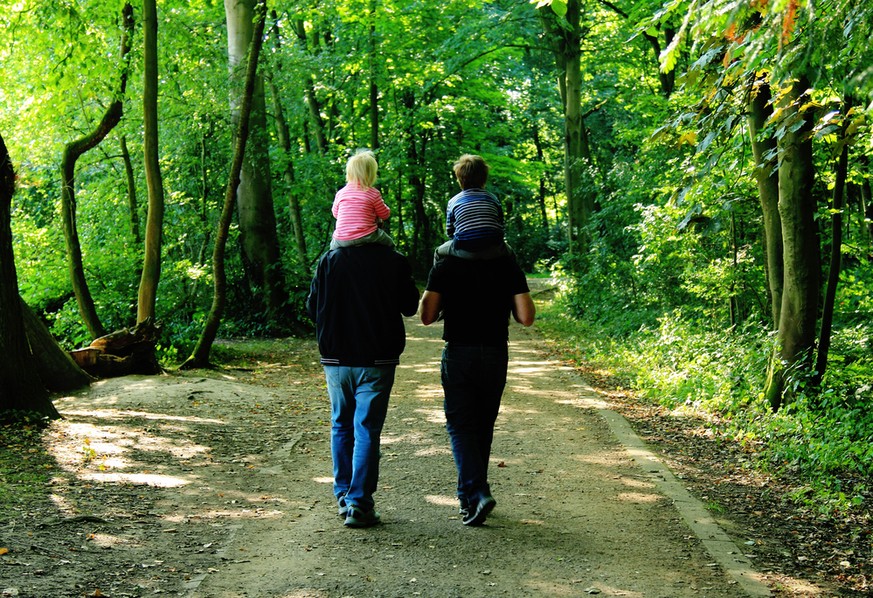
{"x":475,"y":299}
{"x":356,"y":300}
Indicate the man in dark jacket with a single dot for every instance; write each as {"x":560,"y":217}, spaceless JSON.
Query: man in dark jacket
{"x":357,"y":299}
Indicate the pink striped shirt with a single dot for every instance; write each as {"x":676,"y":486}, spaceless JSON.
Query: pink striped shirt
{"x":356,"y":210}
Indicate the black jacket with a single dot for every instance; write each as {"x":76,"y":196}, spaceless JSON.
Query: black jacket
{"x":357,"y":299}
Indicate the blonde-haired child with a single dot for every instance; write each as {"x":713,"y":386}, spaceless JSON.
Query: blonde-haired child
{"x":358,"y":207}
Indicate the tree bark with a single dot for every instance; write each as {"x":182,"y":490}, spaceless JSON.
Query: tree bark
{"x":151,"y":269}
{"x":71,"y":154}
{"x":801,"y":252}
{"x":255,"y":210}
{"x":374,"y":88}
{"x":767,"y":177}
{"x":21,"y":389}
{"x":566,"y":43}
{"x":200,"y":356}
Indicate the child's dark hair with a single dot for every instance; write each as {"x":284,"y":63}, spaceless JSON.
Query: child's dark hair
{"x":471,"y":171}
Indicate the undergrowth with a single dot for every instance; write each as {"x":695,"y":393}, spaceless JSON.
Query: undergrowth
{"x":822,"y":442}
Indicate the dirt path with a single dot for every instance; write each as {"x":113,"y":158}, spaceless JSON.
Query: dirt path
{"x":218,"y":485}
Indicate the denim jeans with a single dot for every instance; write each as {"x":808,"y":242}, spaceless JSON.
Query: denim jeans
{"x":473,"y":379}
{"x":358,"y":405}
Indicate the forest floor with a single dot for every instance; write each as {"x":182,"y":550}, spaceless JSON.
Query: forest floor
{"x":217,"y":483}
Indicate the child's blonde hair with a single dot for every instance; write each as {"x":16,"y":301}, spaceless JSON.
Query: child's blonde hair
{"x":362,"y":168}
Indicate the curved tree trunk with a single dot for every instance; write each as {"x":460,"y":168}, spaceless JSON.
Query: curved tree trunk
{"x":802,"y":259}
{"x":257,"y":217}
{"x":71,"y":154}
{"x":21,"y":389}
{"x":151,"y":268}
{"x":200,"y":356}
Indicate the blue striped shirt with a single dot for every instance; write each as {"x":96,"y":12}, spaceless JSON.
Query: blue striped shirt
{"x":474,"y":215}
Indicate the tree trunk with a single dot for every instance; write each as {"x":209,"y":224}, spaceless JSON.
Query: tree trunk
{"x":284,"y":136}
{"x":767,"y":176}
{"x":21,"y":389}
{"x":257,"y":217}
{"x":71,"y":154}
{"x":200,"y":356}
{"x":827,"y":312}
{"x":151,"y":268}
{"x":801,"y":252}
{"x":57,"y":370}
{"x":312,"y":103}
{"x":132,"y":206}
{"x":374,"y":89}
{"x":541,"y":194}
{"x":566,"y":43}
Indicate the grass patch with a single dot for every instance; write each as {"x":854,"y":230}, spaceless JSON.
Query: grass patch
{"x":822,"y":442}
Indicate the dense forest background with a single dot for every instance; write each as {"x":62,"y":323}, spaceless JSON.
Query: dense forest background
{"x":695,"y":175}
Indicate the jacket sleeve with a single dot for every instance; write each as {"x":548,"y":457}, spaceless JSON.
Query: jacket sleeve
{"x":312,"y":299}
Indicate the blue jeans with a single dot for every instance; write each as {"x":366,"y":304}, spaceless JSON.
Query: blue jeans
{"x":473,"y":379}
{"x":358,"y":405}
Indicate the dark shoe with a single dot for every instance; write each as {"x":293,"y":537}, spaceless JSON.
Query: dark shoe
{"x":464,"y":508}
{"x":342,"y":507}
{"x":477,"y":516}
{"x":358,"y":518}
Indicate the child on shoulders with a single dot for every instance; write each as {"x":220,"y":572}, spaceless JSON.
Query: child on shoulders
{"x":474,"y":217}
{"x":358,"y":207}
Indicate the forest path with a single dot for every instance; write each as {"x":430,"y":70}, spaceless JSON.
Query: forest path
{"x":216,"y":484}
{"x":575,"y":516}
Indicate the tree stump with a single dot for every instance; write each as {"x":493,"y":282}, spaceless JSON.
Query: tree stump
{"x":121,"y":353}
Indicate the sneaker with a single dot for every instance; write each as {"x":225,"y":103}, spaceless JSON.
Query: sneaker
{"x":358,"y":518}
{"x":342,"y":507}
{"x":477,"y":516}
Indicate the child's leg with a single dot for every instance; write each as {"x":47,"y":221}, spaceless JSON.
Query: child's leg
{"x":380,"y":237}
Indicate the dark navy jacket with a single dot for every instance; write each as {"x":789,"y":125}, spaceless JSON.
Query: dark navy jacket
{"x":357,"y":299}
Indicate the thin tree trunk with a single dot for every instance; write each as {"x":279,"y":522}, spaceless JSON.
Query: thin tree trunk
{"x":151,"y":268}
{"x":71,"y":154}
{"x":21,"y":389}
{"x":200,"y":355}
{"x":827,"y":313}
{"x":767,"y":177}
{"x":132,"y":206}
{"x":374,"y":89}
{"x":541,"y":195}
{"x":312,"y":103}
{"x":284,"y":135}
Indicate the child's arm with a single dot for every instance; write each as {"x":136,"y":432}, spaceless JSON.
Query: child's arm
{"x":383,"y":212}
